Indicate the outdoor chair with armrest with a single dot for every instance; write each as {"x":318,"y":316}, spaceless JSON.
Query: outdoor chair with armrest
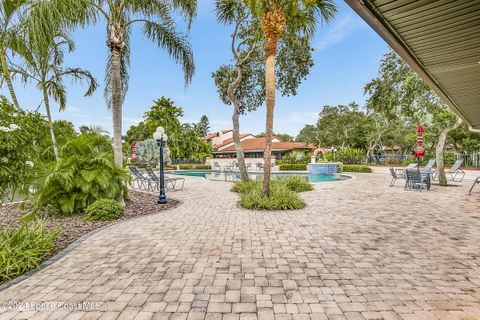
{"x":415,"y":180}
{"x":403,"y":170}
{"x":396,"y":175}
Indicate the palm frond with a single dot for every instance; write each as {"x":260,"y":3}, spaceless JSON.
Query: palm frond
{"x":174,"y":43}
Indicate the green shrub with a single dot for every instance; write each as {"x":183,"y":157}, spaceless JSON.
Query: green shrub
{"x":363,"y":169}
{"x":350,"y":155}
{"x":104,"y":210}
{"x":195,"y":167}
{"x":283,"y":194}
{"x":245,"y":186}
{"x":293,"y":167}
{"x":297,"y":184}
{"x":281,"y":198}
{"x":84,"y":173}
{"x":22,"y":248}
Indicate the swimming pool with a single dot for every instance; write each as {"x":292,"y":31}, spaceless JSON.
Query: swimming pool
{"x":235,"y":176}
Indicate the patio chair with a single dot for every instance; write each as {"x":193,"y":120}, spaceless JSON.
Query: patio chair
{"x":142,"y":181}
{"x":168,"y":180}
{"x":415,"y":180}
{"x":430,"y":165}
{"x":455,"y":171}
{"x":396,"y":175}
{"x":249,"y":166}
{"x":403,"y":170}
{"x":259,"y":166}
{"x":477,"y":181}
{"x":216,"y":166}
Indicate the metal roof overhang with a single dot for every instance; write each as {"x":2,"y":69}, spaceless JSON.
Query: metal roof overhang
{"x":439,"y":39}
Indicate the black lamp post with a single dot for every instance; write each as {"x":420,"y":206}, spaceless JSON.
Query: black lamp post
{"x":161,"y":137}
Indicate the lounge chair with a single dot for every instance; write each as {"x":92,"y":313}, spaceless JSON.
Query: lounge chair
{"x":415,"y":180}
{"x":395,"y":176}
{"x":455,"y":171}
{"x":168,"y":180}
{"x":142,"y":181}
{"x":430,"y":165}
{"x":216,"y":166}
{"x":477,"y":181}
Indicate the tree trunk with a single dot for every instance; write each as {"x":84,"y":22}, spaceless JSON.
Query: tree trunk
{"x":270,"y":102}
{"x":236,"y":124}
{"x":8,"y":80}
{"x":238,"y":147}
{"x":273,"y":26}
{"x":117,"y":111}
{"x":50,"y":123}
{"x":442,"y":179}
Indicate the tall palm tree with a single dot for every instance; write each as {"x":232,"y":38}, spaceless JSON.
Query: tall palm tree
{"x":283,"y":19}
{"x":157,"y":22}
{"x":11,"y":16}
{"x":43,"y":65}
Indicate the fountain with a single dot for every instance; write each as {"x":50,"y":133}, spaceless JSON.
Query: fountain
{"x":321,"y":168}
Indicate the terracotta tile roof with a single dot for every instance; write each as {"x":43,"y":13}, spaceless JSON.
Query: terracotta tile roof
{"x":258,"y":144}
{"x":230,"y":140}
{"x":213,"y":135}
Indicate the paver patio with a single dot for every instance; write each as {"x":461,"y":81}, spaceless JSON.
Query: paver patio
{"x":360,"y":250}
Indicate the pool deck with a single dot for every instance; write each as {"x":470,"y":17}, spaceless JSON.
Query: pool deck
{"x":359,"y":250}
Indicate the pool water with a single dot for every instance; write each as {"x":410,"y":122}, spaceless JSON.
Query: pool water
{"x":235,"y":176}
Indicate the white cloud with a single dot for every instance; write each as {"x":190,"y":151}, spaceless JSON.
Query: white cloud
{"x":298,"y":118}
{"x":339,"y":30}
{"x":72,"y":109}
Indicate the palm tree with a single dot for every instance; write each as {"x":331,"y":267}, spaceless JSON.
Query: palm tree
{"x":283,"y":19}
{"x":11,"y":14}
{"x":43,"y":64}
{"x":158,"y":25}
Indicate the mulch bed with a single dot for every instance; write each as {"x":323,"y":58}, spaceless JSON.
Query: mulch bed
{"x":73,"y":227}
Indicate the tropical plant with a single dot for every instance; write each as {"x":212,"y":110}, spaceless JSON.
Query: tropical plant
{"x":12,"y":15}
{"x":83,"y":173}
{"x":21,"y":134}
{"x":22,"y":248}
{"x":287,"y":20}
{"x":351,"y":155}
{"x":283,"y":197}
{"x":158,"y":25}
{"x":43,"y":64}
{"x":104,"y":210}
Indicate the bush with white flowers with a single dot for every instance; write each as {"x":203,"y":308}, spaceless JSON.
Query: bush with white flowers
{"x":19,"y":134}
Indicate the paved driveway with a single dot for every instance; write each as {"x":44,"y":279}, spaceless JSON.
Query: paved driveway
{"x":360,"y":250}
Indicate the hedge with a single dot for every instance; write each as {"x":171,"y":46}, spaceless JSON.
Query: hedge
{"x":293,"y":167}
{"x":347,"y":168}
{"x":195,"y":167}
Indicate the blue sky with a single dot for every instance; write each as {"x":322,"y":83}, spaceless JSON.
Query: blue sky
{"x":346,"y":57}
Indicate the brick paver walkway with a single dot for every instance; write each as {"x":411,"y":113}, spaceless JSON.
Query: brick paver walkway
{"x":360,"y":250}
